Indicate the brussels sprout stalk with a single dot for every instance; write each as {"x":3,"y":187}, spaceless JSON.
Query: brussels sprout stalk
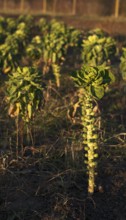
{"x":92,"y":82}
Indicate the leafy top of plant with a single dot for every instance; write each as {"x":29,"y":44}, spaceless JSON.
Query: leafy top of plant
{"x":94,"y":79}
{"x":98,"y":48}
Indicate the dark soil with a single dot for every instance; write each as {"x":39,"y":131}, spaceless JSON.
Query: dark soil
{"x":36,"y":188}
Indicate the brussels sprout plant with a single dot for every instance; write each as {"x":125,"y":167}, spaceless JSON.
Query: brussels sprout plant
{"x":93,"y":82}
{"x":98,"y":48}
{"x":24,"y":96}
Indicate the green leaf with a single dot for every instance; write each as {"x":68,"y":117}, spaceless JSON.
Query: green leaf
{"x":97,"y":92}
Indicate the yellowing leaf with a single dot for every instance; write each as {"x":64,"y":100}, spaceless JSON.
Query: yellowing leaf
{"x":29,"y":109}
{"x":14,"y":110}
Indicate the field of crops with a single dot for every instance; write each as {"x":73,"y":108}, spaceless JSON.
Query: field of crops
{"x":62,"y":117}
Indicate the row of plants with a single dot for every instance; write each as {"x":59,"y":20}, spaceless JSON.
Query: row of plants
{"x":29,"y":50}
{"x":46,"y":46}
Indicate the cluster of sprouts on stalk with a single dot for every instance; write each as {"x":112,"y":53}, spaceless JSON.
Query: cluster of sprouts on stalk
{"x":93,"y":79}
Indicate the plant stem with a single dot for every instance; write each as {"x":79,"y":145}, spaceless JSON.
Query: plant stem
{"x":90,"y":141}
